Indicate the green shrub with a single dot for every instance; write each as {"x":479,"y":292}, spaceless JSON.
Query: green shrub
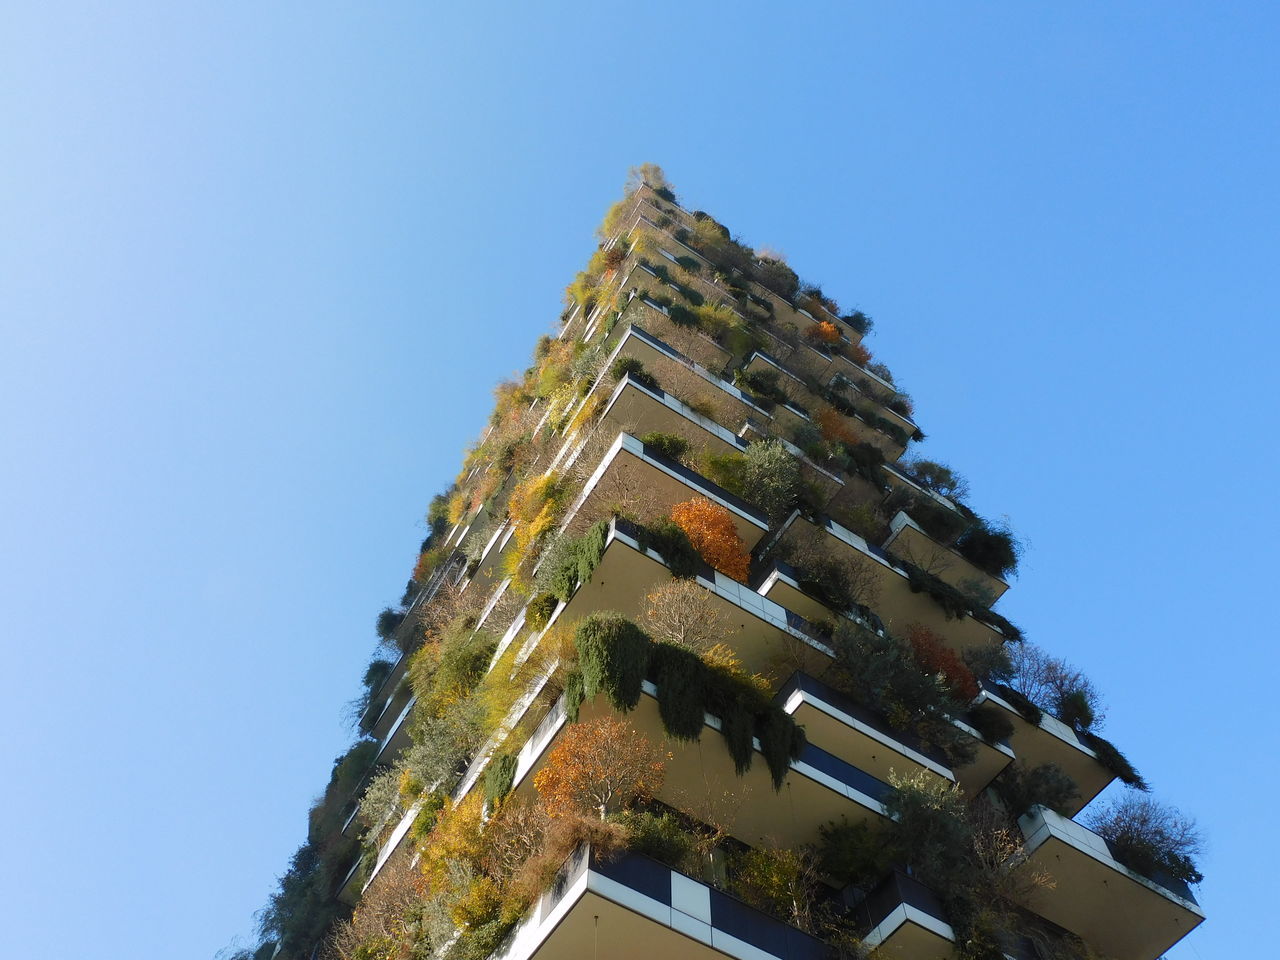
{"x":989,"y":662}
{"x":727,"y":470}
{"x":661,"y":836}
{"x":865,"y":459}
{"x":681,"y":679}
{"x":991,"y":723}
{"x":461,"y":661}
{"x":1109,"y":756}
{"x":760,"y":384}
{"x":388,"y":621}
{"x":682,"y":316}
{"x":771,"y":479}
{"x":1022,"y":787}
{"x":669,"y":541}
{"x":853,"y":853}
{"x":781,"y":741}
{"x":737,"y":728}
{"x":953,"y":603}
{"x":692,"y":264}
{"x":499,"y":776}
{"x":940,"y":522}
{"x":859,"y":322}
{"x":633,"y":368}
{"x":1030,"y":712}
{"x":572,"y":560}
{"x":425,"y":819}
{"x":670,"y":445}
{"x":376,"y":673}
{"x":1075,"y":710}
{"x":937,"y":477}
{"x":931,"y":833}
{"x":990,"y":549}
{"x":776,"y":276}
{"x":827,"y":580}
{"x":614,"y":656}
{"x":590,"y":548}
{"x":540,"y":610}
{"x":1149,"y":837}
{"x":573,"y":694}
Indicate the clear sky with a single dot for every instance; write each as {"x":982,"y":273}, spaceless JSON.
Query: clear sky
{"x":261,"y":264}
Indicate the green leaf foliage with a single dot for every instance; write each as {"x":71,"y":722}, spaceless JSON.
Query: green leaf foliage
{"x":614,"y":657}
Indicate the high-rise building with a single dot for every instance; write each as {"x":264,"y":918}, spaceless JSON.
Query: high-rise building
{"x":694,"y":663}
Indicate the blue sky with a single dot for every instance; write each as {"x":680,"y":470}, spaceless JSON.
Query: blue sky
{"x":261,"y":264}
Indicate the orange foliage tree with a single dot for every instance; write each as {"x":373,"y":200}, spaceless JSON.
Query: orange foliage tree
{"x":934,"y":656}
{"x":834,"y":426}
{"x":859,"y":354}
{"x":598,"y":764}
{"x":710,"y":529}
{"x":824,"y":331}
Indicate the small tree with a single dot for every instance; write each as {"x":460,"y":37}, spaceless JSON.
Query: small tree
{"x":823,"y":332}
{"x":1149,"y":837}
{"x":683,"y":613}
{"x":1022,"y":787}
{"x":1056,"y":686}
{"x":935,"y":657}
{"x":939,"y":478}
{"x":597,"y":765}
{"x":930,"y":832}
{"x":781,"y":882}
{"x":771,"y":479}
{"x":711,"y":530}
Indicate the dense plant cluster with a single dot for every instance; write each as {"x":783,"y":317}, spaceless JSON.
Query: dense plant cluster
{"x":523,"y":703}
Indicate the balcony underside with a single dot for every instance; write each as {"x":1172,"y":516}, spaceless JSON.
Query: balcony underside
{"x":1120,"y":914}
{"x":1052,"y":741}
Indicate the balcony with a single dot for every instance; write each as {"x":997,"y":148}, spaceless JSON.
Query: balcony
{"x":904,"y":919}
{"x":793,"y":415}
{"x":487,"y":565}
{"x":820,"y":787}
{"x":646,"y":303}
{"x":897,"y":605}
{"x":1119,"y":912}
{"x":855,"y":734}
{"x":697,"y":386}
{"x":907,"y":539}
{"x":638,"y":409}
{"x":872,"y":386}
{"x":634,"y":473}
{"x":789,"y":413}
{"x":1052,"y":741}
{"x":635,"y":908}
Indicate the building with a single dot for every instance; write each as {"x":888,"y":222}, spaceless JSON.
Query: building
{"x":695,"y":664}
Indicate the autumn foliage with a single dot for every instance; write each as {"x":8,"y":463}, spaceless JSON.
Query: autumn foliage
{"x":824,"y":331}
{"x":935,"y":657}
{"x":597,"y":765}
{"x":834,"y":426}
{"x":859,"y":354}
{"x":711,"y":530}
